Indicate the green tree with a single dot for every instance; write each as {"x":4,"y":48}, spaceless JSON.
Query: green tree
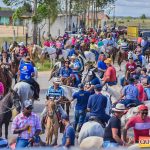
{"x":143,"y":17}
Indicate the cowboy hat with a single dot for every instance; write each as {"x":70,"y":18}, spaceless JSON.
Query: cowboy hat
{"x":73,"y":57}
{"x":119,"y":108}
{"x":21,"y":44}
{"x":108,"y":61}
{"x":56,"y":80}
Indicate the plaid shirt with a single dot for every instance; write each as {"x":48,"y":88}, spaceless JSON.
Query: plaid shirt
{"x":20,"y":121}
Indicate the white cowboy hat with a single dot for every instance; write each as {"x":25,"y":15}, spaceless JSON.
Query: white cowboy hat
{"x":56,"y":80}
{"x":73,"y":57}
{"x":119,"y":108}
{"x":21,"y":44}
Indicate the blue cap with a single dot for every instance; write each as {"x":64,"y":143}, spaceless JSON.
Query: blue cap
{"x":65,"y":117}
{"x":81,"y":85}
{"x":98,"y":87}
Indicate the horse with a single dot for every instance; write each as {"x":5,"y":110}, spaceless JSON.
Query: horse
{"x":14,"y":65}
{"x":6,"y":79}
{"x":10,"y":99}
{"x":52,"y":123}
{"x":24,"y":91}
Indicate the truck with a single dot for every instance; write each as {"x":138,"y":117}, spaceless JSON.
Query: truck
{"x":132,"y":32}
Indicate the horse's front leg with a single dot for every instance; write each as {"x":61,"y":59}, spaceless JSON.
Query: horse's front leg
{"x":6,"y":130}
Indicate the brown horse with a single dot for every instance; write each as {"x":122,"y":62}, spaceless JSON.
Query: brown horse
{"x":10,"y":99}
{"x":14,"y":65}
{"x":6,"y":79}
{"x":70,"y":81}
{"x":52,"y":123}
{"x":122,"y":55}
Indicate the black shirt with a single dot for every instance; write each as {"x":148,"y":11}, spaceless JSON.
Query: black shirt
{"x":114,"y":122}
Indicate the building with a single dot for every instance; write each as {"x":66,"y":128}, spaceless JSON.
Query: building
{"x":6,"y":17}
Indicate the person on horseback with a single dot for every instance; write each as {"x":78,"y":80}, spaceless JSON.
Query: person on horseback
{"x":65,"y":71}
{"x":145,"y":45}
{"x":145,"y":80}
{"x":112,"y":134}
{"x":101,"y":65}
{"x":5,"y":61}
{"x":55,"y":93}
{"x":22,"y":48}
{"x":93,"y":49}
{"x":97,"y":104}
{"x":110,"y":74}
{"x":75,"y":65}
{"x":58,"y":47}
{"x":26,"y":73}
{"x":140,"y":123}
{"x":130,"y":94}
{"x":130,"y":70}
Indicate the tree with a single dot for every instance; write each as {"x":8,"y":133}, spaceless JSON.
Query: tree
{"x":143,"y":17}
{"x":48,"y":9}
{"x":19,"y":3}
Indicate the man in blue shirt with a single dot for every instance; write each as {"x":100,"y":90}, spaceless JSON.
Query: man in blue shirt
{"x":72,"y":51}
{"x":101,"y":66}
{"x":69,"y":133}
{"x":26,"y":73}
{"x":130,"y":94}
{"x":97,"y":104}
{"x":26,"y":70}
{"x":82,"y":97}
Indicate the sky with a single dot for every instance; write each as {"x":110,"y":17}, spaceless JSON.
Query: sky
{"x":132,"y":8}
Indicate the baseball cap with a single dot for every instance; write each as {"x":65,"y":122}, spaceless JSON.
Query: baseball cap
{"x":28,"y":103}
{"x":142,"y":107}
{"x":81,"y":85}
{"x":98,"y":87}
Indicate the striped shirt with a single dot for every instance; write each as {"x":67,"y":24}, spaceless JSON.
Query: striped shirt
{"x":141,"y":127}
{"x":21,"y":121}
{"x":51,"y":92}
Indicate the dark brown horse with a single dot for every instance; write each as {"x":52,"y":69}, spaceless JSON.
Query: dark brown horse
{"x":14,"y":65}
{"x":122,"y":55}
{"x":6,"y":79}
{"x":6,"y":104}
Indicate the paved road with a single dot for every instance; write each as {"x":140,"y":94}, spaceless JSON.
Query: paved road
{"x":39,"y":105}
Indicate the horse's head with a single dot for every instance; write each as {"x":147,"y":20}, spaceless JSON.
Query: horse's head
{"x":16,"y":100}
{"x":51,"y":106}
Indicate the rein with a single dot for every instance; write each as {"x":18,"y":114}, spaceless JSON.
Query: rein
{"x":10,"y":109}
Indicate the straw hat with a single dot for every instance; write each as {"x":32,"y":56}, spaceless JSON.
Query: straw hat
{"x":119,"y":108}
{"x":108,"y":61}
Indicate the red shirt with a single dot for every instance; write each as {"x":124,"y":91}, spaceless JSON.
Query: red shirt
{"x":130,"y":67}
{"x":141,"y":92}
{"x":141,"y":127}
{"x":111,"y":73}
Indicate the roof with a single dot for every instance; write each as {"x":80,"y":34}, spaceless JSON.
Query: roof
{"x":6,"y":13}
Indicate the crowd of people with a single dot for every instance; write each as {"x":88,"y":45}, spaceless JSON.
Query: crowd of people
{"x":90,"y":117}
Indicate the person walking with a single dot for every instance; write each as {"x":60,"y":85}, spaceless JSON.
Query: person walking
{"x":27,"y":125}
{"x":82,"y":97}
{"x":69,"y":133}
{"x":112,"y":133}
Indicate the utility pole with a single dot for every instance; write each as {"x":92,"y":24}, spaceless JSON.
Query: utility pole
{"x":66,"y":18}
{"x":34,"y":23}
{"x":114,"y":14}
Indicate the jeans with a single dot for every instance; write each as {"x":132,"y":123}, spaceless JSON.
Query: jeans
{"x":79,"y":117}
{"x":108,"y":144}
{"x":112,"y":83}
{"x":103,"y":119}
{"x":126,"y":102}
{"x":21,"y":143}
{"x":147,"y":90}
{"x":122,"y":81}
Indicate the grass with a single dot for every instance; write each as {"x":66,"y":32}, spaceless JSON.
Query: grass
{"x":44,"y":67}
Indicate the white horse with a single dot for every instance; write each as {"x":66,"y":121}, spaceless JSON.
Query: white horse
{"x":24,"y":91}
{"x":89,"y":56}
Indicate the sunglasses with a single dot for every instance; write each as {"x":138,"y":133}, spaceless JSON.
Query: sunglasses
{"x":29,"y":108}
{"x":144,"y":113}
